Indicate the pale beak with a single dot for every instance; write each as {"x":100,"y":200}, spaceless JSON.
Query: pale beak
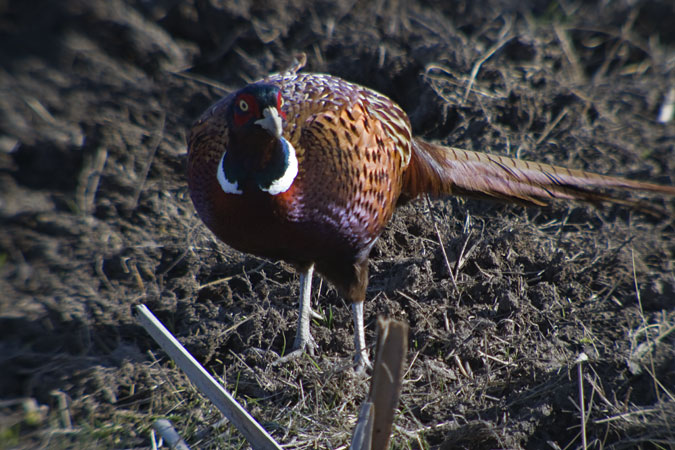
{"x":271,"y":121}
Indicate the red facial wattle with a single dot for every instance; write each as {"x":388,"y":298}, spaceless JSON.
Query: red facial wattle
{"x":245,"y":109}
{"x":280,"y":103}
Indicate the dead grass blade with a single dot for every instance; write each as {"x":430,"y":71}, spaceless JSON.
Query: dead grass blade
{"x":207,"y":385}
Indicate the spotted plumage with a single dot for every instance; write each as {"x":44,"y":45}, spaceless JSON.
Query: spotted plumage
{"x":308,"y":168}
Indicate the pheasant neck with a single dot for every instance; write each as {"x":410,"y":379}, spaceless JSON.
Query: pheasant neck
{"x":259,"y":163}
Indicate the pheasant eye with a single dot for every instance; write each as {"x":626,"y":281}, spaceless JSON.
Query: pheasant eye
{"x":243,"y":105}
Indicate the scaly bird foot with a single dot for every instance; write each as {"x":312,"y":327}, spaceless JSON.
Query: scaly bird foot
{"x":362,"y":362}
{"x":302,"y":345}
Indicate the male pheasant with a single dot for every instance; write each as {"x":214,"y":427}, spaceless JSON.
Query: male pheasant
{"x":308,"y":168}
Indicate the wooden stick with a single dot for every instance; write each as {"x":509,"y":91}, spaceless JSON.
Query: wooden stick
{"x":385,"y":387}
{"x":363,"y":433}
{"x":373,"y":429}
{"x":207,"y":385}
{"x":169,"y":434}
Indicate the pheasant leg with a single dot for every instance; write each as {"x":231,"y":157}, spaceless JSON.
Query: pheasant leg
{"x":303,"y":337}
{"x":361,"y":360}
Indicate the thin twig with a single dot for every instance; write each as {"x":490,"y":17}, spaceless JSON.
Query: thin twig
{"x":648,"y":337}
{"x":445,"y":255}
{"x":158,"y":138}
{"x":582,"y":406}
{"x":486,"y":56}
{"x":89,"y":180}
{"x":200,"y":79}
{"x":64,"y":412}
{"x":459,"y":262}
{"x":551,"y":126}
{"x":566,"y":46}
{"x":223,"y":280}
{"x":667,"y":110}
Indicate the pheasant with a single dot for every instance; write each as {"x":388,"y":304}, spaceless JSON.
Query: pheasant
{"x":308,"y":168}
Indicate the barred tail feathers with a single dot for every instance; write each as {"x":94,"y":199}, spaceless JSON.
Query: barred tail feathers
{"x":439,"y":170}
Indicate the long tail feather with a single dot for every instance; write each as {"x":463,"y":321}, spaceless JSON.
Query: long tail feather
{"x":439,"y":170}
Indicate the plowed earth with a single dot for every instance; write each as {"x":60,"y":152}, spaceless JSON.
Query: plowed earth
{"x":96,"y":98}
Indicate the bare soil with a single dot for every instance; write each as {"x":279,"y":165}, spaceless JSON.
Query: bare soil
{"x":96,"y":97}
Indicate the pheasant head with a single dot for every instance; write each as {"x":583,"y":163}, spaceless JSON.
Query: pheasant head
{"x":257,"y":157}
